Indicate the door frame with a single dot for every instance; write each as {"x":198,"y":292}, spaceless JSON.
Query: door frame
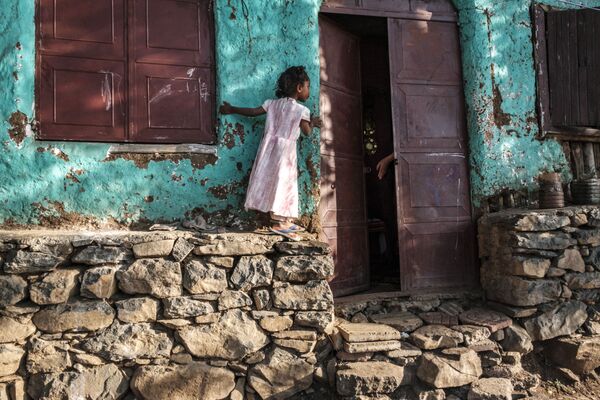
{"x":399,"y":10}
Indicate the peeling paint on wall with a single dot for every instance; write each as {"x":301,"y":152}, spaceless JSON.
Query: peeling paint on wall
{"x":500,"y":92}
{"x":255,"y":41}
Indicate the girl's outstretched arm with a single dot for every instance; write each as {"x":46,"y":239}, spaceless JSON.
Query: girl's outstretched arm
{"x":227,"y":108}
{"x":307,"y":127}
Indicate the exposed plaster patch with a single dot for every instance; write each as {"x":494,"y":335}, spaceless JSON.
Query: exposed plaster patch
{"x":18,"y":127}
{"x":198,"y":161}
{"x":220,"y":191}
{"x":239,"y":131}
{"x":54,"y":216}
{"x":70,"y":176}
{"x":233,"y":10}
{"x":500,"y":117}
{"x":58,"y":153}
{"x":228,"y":140}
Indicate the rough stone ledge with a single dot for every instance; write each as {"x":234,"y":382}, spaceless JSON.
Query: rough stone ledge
{"x":116,"y":309}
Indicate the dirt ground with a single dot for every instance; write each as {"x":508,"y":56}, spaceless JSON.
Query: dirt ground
{"x":588,"y":389}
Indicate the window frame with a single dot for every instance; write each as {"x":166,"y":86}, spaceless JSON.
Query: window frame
{"x":129,"y":79}
{"x":540,"y":51}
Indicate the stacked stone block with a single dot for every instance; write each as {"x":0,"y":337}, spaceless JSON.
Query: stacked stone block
{"x":162,"y":315}
{"x":427,"y":348}
{"x":542,"y":268}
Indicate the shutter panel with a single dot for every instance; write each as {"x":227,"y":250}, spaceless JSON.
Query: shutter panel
{"x":171,"y":72}
{"x":589,"y":65}
{"x":573,"y":62}
{"x":82,"y":70}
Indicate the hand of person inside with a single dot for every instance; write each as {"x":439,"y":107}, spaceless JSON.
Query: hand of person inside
{"x":383,"y":165}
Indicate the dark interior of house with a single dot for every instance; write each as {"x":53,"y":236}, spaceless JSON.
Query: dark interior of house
{"x":378,"y":143}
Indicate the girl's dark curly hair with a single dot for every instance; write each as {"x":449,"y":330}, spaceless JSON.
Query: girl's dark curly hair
{"x":289,"y":80}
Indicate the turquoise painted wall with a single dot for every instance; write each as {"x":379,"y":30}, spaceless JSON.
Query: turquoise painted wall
{"x":46,"y":182}
{"x":49,"y":182}
{"x":500,"y":91}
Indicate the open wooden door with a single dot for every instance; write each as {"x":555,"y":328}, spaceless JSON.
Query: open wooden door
{"x":342,"y":208}
{"x":436,"y":231}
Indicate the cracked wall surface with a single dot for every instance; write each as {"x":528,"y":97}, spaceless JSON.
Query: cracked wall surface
{"x":49,"y":183}
{"x":46,"y":181}
{"x":500,"y":92}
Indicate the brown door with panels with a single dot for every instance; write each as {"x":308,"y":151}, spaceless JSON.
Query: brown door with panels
{"x":342,"y":207}
{"x":436,"y":231}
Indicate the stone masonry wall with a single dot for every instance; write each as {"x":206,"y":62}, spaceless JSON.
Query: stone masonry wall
{"x":542,"y":268}
{"x":162,"y":315}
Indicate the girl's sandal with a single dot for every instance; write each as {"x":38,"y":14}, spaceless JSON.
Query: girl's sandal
{"x":263,"y":231}
{"x":296,"y":228}
{"x":286,"y":233}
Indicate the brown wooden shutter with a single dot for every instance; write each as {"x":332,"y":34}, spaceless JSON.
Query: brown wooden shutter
{"x":573,"y":62}
{"x":172,"y":88}
{"x":81,"y":74}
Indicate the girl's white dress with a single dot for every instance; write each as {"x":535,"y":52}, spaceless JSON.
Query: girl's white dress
{"x":273,"y":183}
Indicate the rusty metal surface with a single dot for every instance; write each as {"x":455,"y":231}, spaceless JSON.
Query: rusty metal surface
{"x":436,"y":230}
{"x":342,"y":209}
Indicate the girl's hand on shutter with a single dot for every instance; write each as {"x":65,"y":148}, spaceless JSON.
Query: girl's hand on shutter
{"x":225,"y":108}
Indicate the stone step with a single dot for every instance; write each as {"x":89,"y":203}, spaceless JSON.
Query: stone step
{"x":363,"y":378}
{"x":371,"y":347}
{"x":367,"y":332}
{"x":403,"y":321}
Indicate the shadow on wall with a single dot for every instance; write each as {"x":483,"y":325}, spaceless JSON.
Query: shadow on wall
{"x":500,"y":90}
{"x":52,"y":182}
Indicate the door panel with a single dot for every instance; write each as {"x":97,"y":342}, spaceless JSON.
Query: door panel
{"x":433,"y":187}
{"x":172,"y":102}
{"x":85,"y":97}
{"x":434,"y":117}
{"x":437,"y":255}
{"x":436,"y":230}
{"x":344,"y":105}
{"x":341,"y":201}
{"x":160,"y":40}
{"x":83,"y":28}
{"x":424,"y":51}
{"x":342,"y":208}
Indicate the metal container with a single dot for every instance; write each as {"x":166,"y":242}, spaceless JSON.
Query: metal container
{"x":586,"y":191}
{"x":551,"y":193}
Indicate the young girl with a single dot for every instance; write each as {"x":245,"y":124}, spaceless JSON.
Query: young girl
{"x":273,"y":183}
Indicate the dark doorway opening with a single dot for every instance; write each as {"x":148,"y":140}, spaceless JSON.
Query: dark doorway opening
{"x":376,"y":137}
{"x":435,"y":234}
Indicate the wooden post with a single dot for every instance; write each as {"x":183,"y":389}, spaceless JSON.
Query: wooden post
{"x":588,"y":160}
